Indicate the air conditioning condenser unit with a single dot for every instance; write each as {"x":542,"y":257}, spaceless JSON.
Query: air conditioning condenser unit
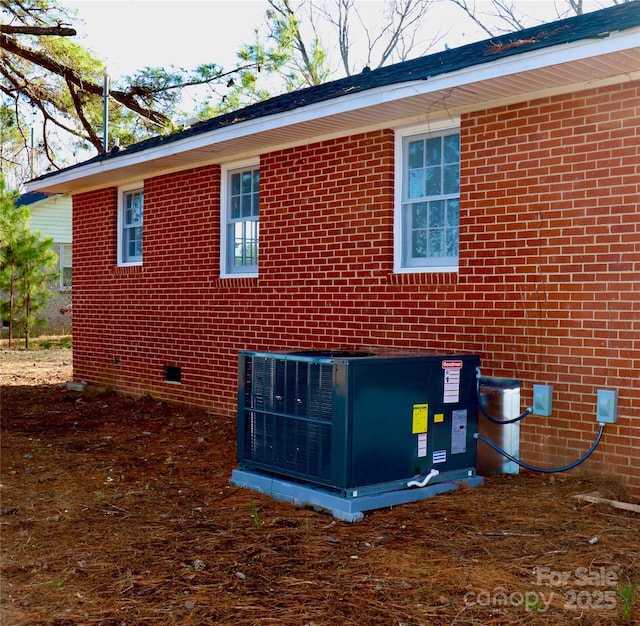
{"x":354,"y":431}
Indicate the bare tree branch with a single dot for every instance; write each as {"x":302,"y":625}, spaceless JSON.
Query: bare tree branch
{"x":408,"y":14}
{"x":287,"y":13}
{"x":501,"y":16}
{"x":59,"y":31}
{"x":396,"y":32}
{"x":343,"y":32}
{"x":469,"y":9}
{"x":576,"y":6}
{"x":86,"y":124}
{"x":126,"y":99}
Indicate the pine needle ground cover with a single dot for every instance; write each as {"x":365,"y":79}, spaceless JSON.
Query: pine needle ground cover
{"x":119,"y":511}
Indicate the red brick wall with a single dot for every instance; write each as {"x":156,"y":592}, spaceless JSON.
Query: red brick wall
{"x":548,"y":289}
{"x":552,"y":190}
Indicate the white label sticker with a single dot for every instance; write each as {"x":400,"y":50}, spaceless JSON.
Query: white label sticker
{"x":439,"y":456}
{"x":451,"y":386}
{"x":422,"y":444}
{"x":458,"y":431}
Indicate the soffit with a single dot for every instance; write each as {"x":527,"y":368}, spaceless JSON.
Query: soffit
{"x":450,"y":94}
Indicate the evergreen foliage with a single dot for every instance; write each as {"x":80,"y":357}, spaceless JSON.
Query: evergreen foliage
{"x":28,"y":264}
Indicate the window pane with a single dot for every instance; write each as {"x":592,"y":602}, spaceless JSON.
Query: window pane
{"x":237,"y":243}
{"x":453,"y":212}
{"x":133,"y":237}
{"x":419,"y":243}
{"x":235,"y":207}
{"x":451,"y":175}
{"x":244,"y":243}
{"x":436,"y":214}
{"x":133,"y":208}
{"x":416,"y":154}
{"x":246,"y":182}
{"x":452,"y":149}
{"x":420,"y":215}
{"x":245,"y":203}
{"x":235,"y":184}
{"x":436,"y":242}
{"x":434,"y":185}
{"x":251,"y":243}
{"x":138,"y":239}
{"x":434,"y":151}
{"x":452,"y":245}
{"x":65,"y":265}
{"x":416,"y":183}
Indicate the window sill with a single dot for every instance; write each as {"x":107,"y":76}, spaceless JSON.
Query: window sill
{"x":237,"y":281}
{"x":430,"y":277}
{"x":128,"y":269}
{"x":239,"y":275}
{"x":453,"y":266}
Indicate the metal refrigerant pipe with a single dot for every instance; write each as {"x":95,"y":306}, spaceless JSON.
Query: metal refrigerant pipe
{"x":490,"y":417}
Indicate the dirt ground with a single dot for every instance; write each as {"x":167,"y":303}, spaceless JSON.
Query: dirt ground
{"x":119,"y":511}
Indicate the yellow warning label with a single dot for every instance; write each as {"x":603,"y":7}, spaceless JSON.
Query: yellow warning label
{"x":438,"y":418}
{"x":420,"y":415}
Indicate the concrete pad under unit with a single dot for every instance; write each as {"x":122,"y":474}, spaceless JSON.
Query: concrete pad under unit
{"x":345,"y":509}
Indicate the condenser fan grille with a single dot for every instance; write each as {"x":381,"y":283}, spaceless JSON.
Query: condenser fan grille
{"x":288,"y":412}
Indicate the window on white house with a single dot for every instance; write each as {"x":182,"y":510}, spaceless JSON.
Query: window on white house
{"x":428,"y":200}
{"x":240,"y":206}
{"x":65,"y":266}
{"x":130,"y":214}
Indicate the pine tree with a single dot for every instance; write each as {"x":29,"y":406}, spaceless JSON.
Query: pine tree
{"x":27,"y":264}
{"x":38,"y":267}
{"x":10,"y":218}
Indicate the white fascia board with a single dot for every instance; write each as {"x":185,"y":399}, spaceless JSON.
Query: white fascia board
{"x":502,"y":67}
{"x":491,"y":69}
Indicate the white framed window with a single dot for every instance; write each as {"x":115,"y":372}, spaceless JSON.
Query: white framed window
{"x":427,"y":204}
{"x":65,"y":266}
{"x":240,"y":207}
{"x":130,"y":219}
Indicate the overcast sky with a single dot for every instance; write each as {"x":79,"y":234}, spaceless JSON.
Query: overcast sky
{"x":132,"y":34}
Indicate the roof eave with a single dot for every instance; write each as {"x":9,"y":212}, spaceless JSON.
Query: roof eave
{"x":231,"y":141}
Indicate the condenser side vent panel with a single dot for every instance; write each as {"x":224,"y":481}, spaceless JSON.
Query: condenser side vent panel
{"x":288,"y":408}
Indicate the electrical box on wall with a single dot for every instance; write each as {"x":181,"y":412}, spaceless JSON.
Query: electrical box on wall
{"x":542,"y":395}
{"x":607,"y":406}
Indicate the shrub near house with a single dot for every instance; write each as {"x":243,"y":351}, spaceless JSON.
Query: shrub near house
{"x":51,"y":215}
{"x":28,"y":264}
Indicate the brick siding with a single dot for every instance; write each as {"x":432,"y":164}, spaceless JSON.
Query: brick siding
{"x":548,"y":289}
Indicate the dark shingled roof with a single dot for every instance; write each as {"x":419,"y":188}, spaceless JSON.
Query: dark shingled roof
{"x":597,"y":24}
{"x":31,"y":198}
